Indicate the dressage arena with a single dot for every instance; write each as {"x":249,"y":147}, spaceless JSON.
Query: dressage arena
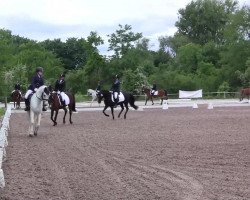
{"x":180,"y":153}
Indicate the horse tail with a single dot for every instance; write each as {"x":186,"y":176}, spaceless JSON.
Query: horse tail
{"x":73,"y":103}
{"x":132,"y":101}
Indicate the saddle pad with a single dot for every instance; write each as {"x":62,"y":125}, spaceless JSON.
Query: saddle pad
{"x":121,"y":97}
{"x":65,"y":97}
{"x":155,"y":93}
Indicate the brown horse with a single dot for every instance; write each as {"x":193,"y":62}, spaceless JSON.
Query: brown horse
{"x":55,"y":106}
{"x":162,"y":94}
{"x":16,"y":98}
{"x":245,"y":93}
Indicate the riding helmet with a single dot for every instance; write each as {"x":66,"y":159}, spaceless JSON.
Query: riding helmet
{"x":39,"y":69}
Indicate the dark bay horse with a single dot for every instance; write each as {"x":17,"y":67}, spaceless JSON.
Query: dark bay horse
{"x":16,"y":98}
{"x":55,"y":106}
{"x":162,"y":94}
{"x":107,"y":97}
{"x":245,"y":92}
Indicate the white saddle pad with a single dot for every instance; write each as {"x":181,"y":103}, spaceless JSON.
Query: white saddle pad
{"x":65,"y":97}
{"x":121,"y":97}
{"x":155,"y":93}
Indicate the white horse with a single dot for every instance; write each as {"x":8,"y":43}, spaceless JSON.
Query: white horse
{"x":36,"y":105}
{"x":92,"y":93}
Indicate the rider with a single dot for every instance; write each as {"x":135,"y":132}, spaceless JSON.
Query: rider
{"x":36,"y":82}
{"x":17,"y":87}
{"x":60,"y":88}
{"x":98,"y":88}
{"x":153,"y":89}
{"x":116,"y":90}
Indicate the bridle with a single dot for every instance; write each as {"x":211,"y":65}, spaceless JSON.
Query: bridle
{"x":41,"y":98}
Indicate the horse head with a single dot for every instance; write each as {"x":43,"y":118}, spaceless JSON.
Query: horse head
{"x":43,"y":93}
{"x":54,"y":101}
{"x":145,"y":90}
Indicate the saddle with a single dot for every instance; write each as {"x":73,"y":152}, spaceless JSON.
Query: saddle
{"x":64,"y":99}
{"x":29,"y":97}
{"x":155,"y":93}
{"x":120,"y":97}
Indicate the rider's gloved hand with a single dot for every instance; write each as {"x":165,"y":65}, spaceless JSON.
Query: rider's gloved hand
{"x":35,"y":89}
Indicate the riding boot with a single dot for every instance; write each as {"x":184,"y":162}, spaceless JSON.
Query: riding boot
{"x":27,"y":104}
{"x":63,"y":103}
{"x":116,"y":102}
{"x":44,"y":107}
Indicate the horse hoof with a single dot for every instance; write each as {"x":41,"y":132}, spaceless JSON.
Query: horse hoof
{"x":30,"y":135}
{"x":35,"y":134}
{"x":71,"y":122}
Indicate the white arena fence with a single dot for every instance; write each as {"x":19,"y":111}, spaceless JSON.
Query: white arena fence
{"x":3,"y":141}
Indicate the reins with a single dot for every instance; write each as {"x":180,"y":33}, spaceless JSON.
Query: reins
{"x":41,"y":99}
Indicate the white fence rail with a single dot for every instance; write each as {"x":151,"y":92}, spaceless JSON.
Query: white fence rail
{"x":3,"y":142}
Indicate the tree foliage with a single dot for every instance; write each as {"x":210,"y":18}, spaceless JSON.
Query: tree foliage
{"x":209,"y":51}
{"x":122,"y":40}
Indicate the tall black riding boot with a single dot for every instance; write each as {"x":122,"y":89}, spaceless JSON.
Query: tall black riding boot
{"x":27,"y":104}
{"x":61,"y":100}
{"x":44,"y":107}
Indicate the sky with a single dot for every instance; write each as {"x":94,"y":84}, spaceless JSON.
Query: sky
{"x":49,"y":19}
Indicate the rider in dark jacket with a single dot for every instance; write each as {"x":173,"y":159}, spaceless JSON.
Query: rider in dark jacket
{"x":17,"y":86}
{"x":60,"y":86}
{"x":36,"y":82}
{"x":154,"y":89}
{"x":116,"y":90}
{"x":98,"y":88}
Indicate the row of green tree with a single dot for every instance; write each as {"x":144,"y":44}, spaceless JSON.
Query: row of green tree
{"x":209,"y":51}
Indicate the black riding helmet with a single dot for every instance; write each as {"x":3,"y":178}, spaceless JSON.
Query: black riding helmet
{"x":62,"y":75}
{"x":39,"y":69}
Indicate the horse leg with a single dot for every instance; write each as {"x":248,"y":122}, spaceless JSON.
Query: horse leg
{"x":104,"y":111}
{"x":70,"y":115}
{"x":161,"y":100}
{"x":121,"y":110}
{"x":146,"y":101}
{"x":112,"y":111}
{"x":65,"y":113}
{"x":126,"y":106}
{"x":37,"y":124}
{"x":55,"y":123}
{"x":91,"y":102}
{"x":152,"y":100}
{"x":51,"y":117}
{"x":31,"y":126}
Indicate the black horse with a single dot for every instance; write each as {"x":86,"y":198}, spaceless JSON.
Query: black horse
{"x":107,"y":96}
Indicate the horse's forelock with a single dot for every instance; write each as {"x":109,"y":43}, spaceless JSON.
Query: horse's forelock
{"x":46,"y":90}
